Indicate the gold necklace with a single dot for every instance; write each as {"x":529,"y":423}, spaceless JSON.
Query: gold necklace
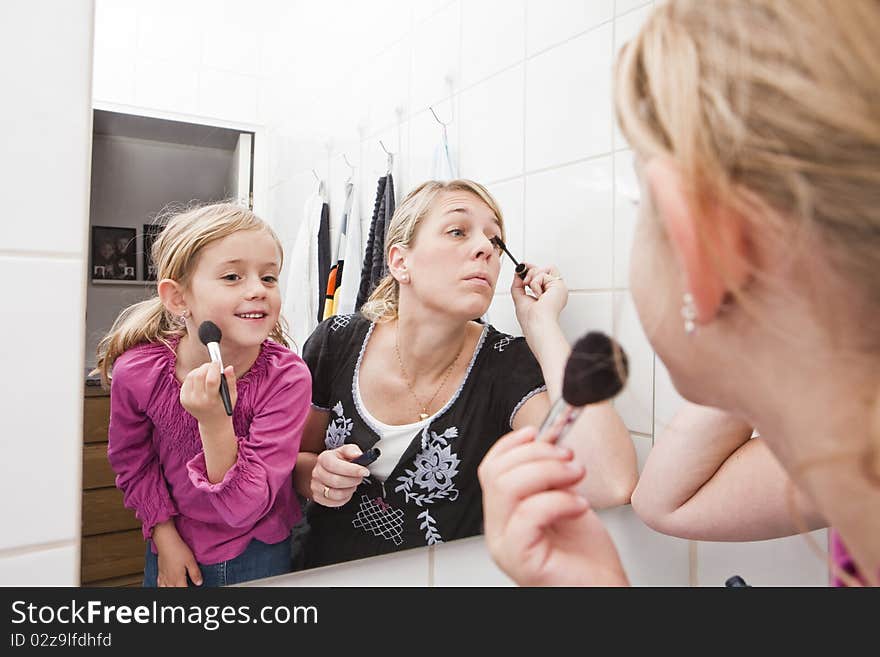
{"x":423,"y":415}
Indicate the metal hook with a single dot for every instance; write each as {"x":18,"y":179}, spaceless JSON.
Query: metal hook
{"x":389,"y":163}
{"x":345,"y":157}
{"x":437,"y":118}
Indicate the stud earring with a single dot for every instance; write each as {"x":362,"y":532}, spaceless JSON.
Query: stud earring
{"x":404,"y":278}
{"x":183,"y":316}
{"x":689,"y":313}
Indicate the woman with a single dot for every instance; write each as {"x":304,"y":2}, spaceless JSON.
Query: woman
{"x":416,"y":376}
{"x":756,"y":128}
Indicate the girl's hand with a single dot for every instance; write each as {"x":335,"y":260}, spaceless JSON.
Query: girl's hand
{"x":550,"y":297}
{"x":176,"y":560}
{"x":538,"y":530}
{"x":335,"y":478}
{"x":200,"y":393}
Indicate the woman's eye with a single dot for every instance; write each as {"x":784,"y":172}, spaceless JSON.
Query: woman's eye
{"x":231,"y":277}
{"x":456,"y":232}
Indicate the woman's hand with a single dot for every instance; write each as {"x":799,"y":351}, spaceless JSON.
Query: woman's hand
{"x":335,"y":478}
{"x":176,"y":560}
{"x":538,"y":530}
{"x":200,"y":393}
{"x":549,"y":296}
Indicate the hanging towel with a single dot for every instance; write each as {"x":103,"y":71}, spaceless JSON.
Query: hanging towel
{"x":374,"y":256}
{"x":300,"y":306}
{"x":347,"y":290}
{"x":324,"y":259}
{"x":443,"y":166}
{"x":335,"y":278}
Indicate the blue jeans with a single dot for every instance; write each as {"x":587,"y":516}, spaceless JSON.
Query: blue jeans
{"x":257,"y":561}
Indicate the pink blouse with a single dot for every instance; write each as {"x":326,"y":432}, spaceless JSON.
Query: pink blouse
{"x":156,"y":451}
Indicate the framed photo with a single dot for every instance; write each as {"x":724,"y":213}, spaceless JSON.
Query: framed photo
{"x":151,"y":232}
{"x":113,"y":253}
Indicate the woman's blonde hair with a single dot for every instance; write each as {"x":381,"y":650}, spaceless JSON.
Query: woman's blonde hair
{"x":175,"y":254}
{"x":382,"y":305}
{"x":771,"y":108}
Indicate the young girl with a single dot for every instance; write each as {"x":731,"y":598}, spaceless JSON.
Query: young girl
{"x":213,"y":492}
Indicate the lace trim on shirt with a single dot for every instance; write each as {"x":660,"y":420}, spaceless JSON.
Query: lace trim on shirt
{"x":366,"y":417}
{"x":522,"y":402}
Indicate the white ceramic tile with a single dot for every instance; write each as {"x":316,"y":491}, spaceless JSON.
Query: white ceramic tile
{"x":233,"y":43}
{"x":584,"y":312}
{"x":667,"y":401}
{"x":492,"y":37}
{"x":568,"y":222}
{"x":635,"y":403}
{"x":172,"y":31}
{"x":405,"y":568}
{"x":549,"y":23}
{"x":780,"y":562}
{"x":502,"y":315}
{"x":42,"y":412}
{"x":623,"y":6}
{"x":626,"y":214}
{"x":56,"y":566}
{"x":388,"y":90}
{"x":466,"y":562}
{"x":166,"y":86}
{"x":492,"y":127}
{"x":228,"y":96}
{"x":425,"y":136}
{"x":649,"y":558}
{"x":643,"y":446}
{"x":509,"y":196}
{"x":436,"y":52}
{"x":568,"y":101}
{"x":625,"y":28}
{"x":423,"y":9}
{"x":113,"y":78}
{"x":46,"y":83}
{"x":115,"y":28}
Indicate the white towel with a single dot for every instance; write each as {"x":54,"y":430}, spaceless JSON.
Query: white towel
{"x":300,"y":305}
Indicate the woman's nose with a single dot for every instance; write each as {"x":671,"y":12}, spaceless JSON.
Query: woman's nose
{"x":484,"y":247}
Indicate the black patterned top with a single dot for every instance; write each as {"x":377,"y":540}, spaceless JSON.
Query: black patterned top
{"x":432,"y":495}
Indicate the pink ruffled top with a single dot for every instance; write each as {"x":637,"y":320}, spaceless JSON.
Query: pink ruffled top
{"x":156,"y":451}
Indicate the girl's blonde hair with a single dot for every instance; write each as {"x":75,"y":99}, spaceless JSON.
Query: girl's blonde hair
{"x":382,"y":305}
{"x":770,"y":108}
{"x":175,"y":255}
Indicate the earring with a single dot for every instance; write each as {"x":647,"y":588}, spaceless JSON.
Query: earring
{"x":689,"y":313}
{"x":404,"y":278}
{"x":183,"y":316}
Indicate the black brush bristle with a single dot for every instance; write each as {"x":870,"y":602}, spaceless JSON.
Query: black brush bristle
{"x":596,"y":370}
{"x":209,"y":332}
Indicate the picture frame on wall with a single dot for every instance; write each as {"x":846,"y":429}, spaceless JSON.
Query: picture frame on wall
{"x":113,"y":253}
{"x":151,"y":232}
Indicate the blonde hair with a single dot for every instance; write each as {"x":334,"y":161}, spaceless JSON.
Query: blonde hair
{"x":771,"y":108}
{"x":382,"y":306}
{"x":175,"y":254}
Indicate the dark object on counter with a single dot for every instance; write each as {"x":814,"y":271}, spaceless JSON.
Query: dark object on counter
{"x":736,"y":581}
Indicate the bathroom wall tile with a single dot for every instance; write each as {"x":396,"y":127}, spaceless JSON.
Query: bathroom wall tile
{"x":492,"y":126}
{"x":568,"y":101}
{"x":228,"y":96}
{"x":492,"y":37}
{"x":509,"y":196}
{"x":55,"y":566}
{"x":425,"y":138}
{"x":625,"y":28}
{"x":436,"y":52}
{"x":42,"y":442}
{"x":568,"y":222}
{"x":549,"y":23}
{"x":584,"y":312}
{"x":626,"y":214}
{"x":166,"y":86}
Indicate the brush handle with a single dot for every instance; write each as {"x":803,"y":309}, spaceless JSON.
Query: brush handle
{"x":224,"y":394}
{"x":521,"y":271}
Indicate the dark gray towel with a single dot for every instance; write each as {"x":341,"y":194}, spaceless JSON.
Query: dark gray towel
{"x":374,"y":256}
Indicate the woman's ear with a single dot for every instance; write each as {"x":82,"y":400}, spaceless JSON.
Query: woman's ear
{"x":710,"y":245}
{"x":171,"y":295}
{"x":397,"y":265}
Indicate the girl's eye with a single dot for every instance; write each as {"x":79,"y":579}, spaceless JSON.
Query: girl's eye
{"x":231,"y":277}
{"x":270,"y":279}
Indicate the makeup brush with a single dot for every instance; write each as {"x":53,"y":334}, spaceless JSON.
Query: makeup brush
{"x":209,"y":334}
{"x":521,"y":270}
{"x":595,"y":371}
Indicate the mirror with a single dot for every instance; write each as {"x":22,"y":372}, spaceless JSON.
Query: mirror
{"x":275,"y":104}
